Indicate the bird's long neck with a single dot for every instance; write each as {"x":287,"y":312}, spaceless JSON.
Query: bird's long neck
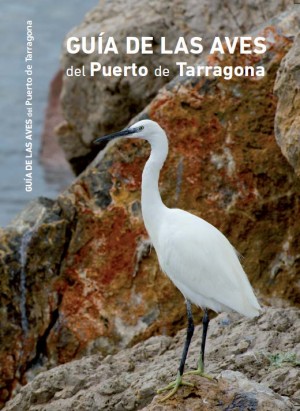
{"x":152,"y":205}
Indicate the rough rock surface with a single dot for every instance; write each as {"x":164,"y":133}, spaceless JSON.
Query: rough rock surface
{"x":287,"y":121}
{"x":52,"y":155}
{"x":70,"y":272}
{"x":254,"y":362}
{"x":28,"y":295}
{"x":94,"y":106}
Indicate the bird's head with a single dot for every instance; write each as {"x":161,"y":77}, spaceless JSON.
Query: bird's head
{"x":145,"y":129}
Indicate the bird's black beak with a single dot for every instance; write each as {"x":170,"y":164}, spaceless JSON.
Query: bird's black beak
{"x":122,"y":133}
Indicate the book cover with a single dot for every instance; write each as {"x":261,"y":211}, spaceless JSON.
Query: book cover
{"x":89,"y":320}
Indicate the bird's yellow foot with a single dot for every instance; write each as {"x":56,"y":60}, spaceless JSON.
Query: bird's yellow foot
{"x":200,"y":371}
{"x":173,"y":386}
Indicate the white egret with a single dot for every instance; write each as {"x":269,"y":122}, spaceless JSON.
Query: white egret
{"x":196,"y":256}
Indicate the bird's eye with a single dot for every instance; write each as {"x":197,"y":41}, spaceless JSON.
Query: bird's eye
{"x":141,"y":128}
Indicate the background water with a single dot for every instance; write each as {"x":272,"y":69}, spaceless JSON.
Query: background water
{"x":51,"y":22}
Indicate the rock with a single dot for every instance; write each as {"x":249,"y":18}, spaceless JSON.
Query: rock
{"x":29,"y":289}
{"x":129,"y":379}
{"x":96,"y":106}
{"x":88,"y":280}
{"x":287,"y":120}
{"x":52,"y":155}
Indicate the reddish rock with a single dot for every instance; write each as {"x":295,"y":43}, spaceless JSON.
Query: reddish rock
{"x":224,"y":165}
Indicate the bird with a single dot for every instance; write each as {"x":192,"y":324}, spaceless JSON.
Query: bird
{"x":195,"y":255}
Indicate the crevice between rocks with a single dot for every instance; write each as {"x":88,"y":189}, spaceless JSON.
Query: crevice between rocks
{"x":41,"y":345}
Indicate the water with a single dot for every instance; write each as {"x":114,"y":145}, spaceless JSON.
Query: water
{"x":51,"y":22}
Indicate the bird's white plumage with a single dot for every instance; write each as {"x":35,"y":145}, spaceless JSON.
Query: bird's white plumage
{"x":203,"y":264}
{"x":196,"y":256}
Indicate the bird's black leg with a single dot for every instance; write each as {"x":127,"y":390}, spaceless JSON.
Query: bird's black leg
{"x":189,"y":334}
{"x":205,"y":322}
{"x":200,"y":369}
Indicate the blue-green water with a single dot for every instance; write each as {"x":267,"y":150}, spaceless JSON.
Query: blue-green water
{"x":51,"y":22}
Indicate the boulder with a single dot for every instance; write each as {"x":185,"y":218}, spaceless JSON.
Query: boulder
{"x":240,"y":355}
{"x":287,"y":120}
{"x":94,"y":106}
{"x":51,"y":155}
{"x":29,"y":291}
{"x":78,"y":275}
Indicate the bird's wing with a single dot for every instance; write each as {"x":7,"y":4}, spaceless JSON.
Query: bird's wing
{"x":201,"y":262}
